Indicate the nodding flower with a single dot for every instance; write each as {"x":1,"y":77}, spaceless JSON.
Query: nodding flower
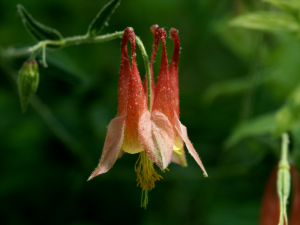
{"x":154,"y":131}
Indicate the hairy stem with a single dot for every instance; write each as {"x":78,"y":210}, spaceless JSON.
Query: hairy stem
{"x":76,"y":40}
{"x":147,"y":68}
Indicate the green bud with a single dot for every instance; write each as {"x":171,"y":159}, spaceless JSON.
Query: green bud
{"x":28,"y":82}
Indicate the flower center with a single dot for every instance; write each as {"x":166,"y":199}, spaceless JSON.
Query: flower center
{"x":146,"y":176}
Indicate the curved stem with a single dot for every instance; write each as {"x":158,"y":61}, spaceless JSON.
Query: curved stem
{"x":18,"y":52}
{"x":147,"y":67}
{"x":284,"y":150}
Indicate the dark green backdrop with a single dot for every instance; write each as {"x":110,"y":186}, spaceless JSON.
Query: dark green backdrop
{"x":43,"y":177}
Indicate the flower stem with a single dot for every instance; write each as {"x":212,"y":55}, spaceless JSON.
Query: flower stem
{"x":147,"y":67}
{"x":284,"y":150}
{"x":18,"y":52}
{"x":283,"y":180}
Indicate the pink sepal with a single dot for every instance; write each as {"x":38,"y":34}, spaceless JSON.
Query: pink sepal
{"x":157,"y":137}
{"x":112,"y":146}
{"x":182,"y":131}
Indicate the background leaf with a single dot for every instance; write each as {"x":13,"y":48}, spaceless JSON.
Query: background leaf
{"x":288,"y":114}
{"x":258,"y":126}
{"x":225,"y":88}
{"x":267,"y":21}
{"x":291,"y":7}
{"x":38,"y":30}
{"x":102,"y":17}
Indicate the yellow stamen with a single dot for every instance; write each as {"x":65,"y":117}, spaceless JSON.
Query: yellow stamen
{"x":146,"y":176}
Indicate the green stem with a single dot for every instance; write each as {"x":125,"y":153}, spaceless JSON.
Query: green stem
{"x":283,"y":180}
{"x":284,"y":150}
{"x":18,"y":52}
{"x":33,"y":54}
{"x":44,"y":56}
{"x":147,"y":67}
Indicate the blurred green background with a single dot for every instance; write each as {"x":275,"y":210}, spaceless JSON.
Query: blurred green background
{"x":232,"y":82}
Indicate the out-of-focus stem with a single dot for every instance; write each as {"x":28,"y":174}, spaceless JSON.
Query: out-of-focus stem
{"x":283,"y":180}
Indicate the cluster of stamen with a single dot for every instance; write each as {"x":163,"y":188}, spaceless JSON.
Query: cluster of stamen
{"x":146,"y":176}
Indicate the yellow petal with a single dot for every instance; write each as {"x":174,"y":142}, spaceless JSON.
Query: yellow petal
{"x":131,"y":144}
{"x":178,"y":144}
{"x":179,"y":158}
{"x":179,"y":152}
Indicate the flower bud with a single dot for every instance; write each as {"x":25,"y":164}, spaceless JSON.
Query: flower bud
{"x":28,"y":82}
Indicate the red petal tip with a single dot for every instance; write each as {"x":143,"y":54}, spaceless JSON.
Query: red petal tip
{"x":131,"y":37}
{"x":126,"y":35}
{"x":173,"y":32}
{"x":154,"y":29}
{"x":128,"y":30}
{"x":162,"y":34}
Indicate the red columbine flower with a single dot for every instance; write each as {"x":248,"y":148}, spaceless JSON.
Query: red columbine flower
{"x":153,"y":132}
{"x":270,"y":211}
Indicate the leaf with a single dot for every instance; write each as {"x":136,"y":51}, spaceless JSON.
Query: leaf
{"x":38,"y":30}
{"x":295,"y":153}
{"x":289,"y":114}
{"x":225,"y":88}
{"x":267,"y":21}
{"x":102,"y":17}
{"x":287,"y":6}
{"x":258,"y":126}
{"x":239,"y":41}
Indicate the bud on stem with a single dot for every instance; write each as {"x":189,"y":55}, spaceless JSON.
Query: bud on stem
{"x":28,"y":81}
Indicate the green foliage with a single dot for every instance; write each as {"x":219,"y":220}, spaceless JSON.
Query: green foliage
{"x":225,"y":88}
{"x":289,"y":114}
{"x":38,"y":30}
{"x":290,"y":6}
{"x":262,"y":125}
{"x":102,"y":17}
{"x":267,"y":21}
